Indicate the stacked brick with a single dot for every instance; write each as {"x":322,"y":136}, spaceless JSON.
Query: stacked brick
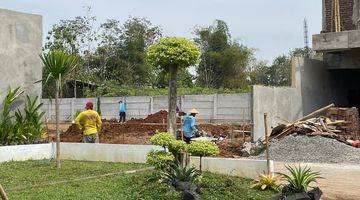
{"x":346,"y":15}
{"x":349,"y":129}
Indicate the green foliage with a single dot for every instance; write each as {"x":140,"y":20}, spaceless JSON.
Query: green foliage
{"x":177,"y":172}
{"x":300,"y":178}
{"x":59,"y":64}
{"x":267,"y":181}
{"x":173,"y":52}
{"x":20,"y":126}
{"x":223,"y":61}
{"x":280,"y":71}
{"x":176,"y":146}
{"x":122,"y":186}
{"x":203,"y":148}
{"x":111,"y":89}
{"x":163,"y":139}
{"x":160,"y":159}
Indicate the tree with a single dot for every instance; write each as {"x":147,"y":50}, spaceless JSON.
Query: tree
{"x":280,"y":71}
{"x":121,"y":54}
{"x":203,"y":148}
{"x":259,"y":73}
{"x":172,"y":54}
{"x":59,"y":64}
{"x":73,"y":36}
{"x":223,"y":61}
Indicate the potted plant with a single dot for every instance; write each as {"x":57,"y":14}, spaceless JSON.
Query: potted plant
{"x":298,"y":184}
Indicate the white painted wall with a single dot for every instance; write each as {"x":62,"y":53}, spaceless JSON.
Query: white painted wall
{"x":26,"y":152}
{"x":233,"y":167}
{"x":127,"y":154}
{"x":106,"y":152}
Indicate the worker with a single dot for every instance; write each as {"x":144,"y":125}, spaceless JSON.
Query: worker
{"x":189,"y":125}
{"x":122,"y":111}
{"x":89,"y":121}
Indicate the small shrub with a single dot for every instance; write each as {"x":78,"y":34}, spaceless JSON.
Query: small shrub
{"x":299,"y":179}
{"x":160,"y":159}
{"x":203,"y":148}
{"x":162,"y":139}
{"x":176,"y":146}
{"x":267,"y":181}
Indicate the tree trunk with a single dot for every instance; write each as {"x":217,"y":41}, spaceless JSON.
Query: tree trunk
{"x":200,"y":164}
{"x":57,"y":124}
{"x":172,"y":100}
{"x":3,"y":193}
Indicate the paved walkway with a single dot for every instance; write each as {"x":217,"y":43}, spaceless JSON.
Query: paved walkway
{"x":342,"y":182}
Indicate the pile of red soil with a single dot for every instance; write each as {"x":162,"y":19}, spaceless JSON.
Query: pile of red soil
{"x":158,"y":117}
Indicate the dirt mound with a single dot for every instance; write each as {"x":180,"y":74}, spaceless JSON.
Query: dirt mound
{"x":160,"y":117}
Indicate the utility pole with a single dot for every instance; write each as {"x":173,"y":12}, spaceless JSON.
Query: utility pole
{"x":306,"y":39}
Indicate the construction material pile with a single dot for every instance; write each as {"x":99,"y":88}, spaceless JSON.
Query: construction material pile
{"x":338,"y":123}
{"x":351,"y":122}
{"x":315,"y":149}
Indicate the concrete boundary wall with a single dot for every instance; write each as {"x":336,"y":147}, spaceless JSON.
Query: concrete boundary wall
{"x":280,"y":103}
{"x":233,"y":167}
{"x":212,"y":108}
{"x":126,"y":154}
{"x":26,"y":152}
{"x":106,"y":152}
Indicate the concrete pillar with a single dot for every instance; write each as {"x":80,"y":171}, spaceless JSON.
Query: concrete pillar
{"x":151,"y":106}
{"x":72,"y":108}
{"x":215,"y":106}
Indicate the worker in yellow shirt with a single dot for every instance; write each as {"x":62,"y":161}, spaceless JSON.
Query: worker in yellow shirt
{"x":89,"y":122}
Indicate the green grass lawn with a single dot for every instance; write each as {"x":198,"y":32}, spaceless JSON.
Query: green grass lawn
{"x":21,"y":177}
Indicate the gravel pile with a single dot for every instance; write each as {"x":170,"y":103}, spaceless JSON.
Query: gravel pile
{"x":312,"y":149}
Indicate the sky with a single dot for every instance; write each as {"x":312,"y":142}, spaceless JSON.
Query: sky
{"x":272,"y":27}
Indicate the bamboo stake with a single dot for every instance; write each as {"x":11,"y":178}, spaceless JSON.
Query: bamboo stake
{"x":3,"y":194}
{"x":267,"y":143}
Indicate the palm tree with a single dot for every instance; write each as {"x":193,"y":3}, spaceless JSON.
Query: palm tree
{"x":59,"y":64}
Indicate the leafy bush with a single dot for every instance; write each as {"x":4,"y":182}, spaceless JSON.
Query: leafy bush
{"x":176,"y":146}
{"x":162,"y":139}
{"x":20,"y":126}
{"x":267,"y":181}
{"x":203,"y":148}
{"x":299,"y":179}
{"x":160,"y":159}
{"x":177,"y":172}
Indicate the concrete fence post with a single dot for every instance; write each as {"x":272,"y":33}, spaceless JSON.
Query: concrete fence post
{"x":151,"y":105}
{"x":72,"y":108}
{"x":215,"y":106}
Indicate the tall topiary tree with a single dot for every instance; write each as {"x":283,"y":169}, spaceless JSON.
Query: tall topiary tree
{"x":59,"y":64}
{"x":172,"y":54}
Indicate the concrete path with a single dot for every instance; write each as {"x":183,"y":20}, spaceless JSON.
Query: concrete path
{"x":342,"y":182}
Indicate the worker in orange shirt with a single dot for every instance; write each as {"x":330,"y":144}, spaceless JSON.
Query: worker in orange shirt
{"x":89,"y":121}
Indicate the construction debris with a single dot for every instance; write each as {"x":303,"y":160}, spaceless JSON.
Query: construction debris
{"x":338,"y":123}
{"x":317,"y":149}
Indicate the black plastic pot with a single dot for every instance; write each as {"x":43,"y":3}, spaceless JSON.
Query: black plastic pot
{"x":313,"y":194}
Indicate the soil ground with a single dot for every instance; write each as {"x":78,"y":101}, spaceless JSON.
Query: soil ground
{"x":139,"y":131}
